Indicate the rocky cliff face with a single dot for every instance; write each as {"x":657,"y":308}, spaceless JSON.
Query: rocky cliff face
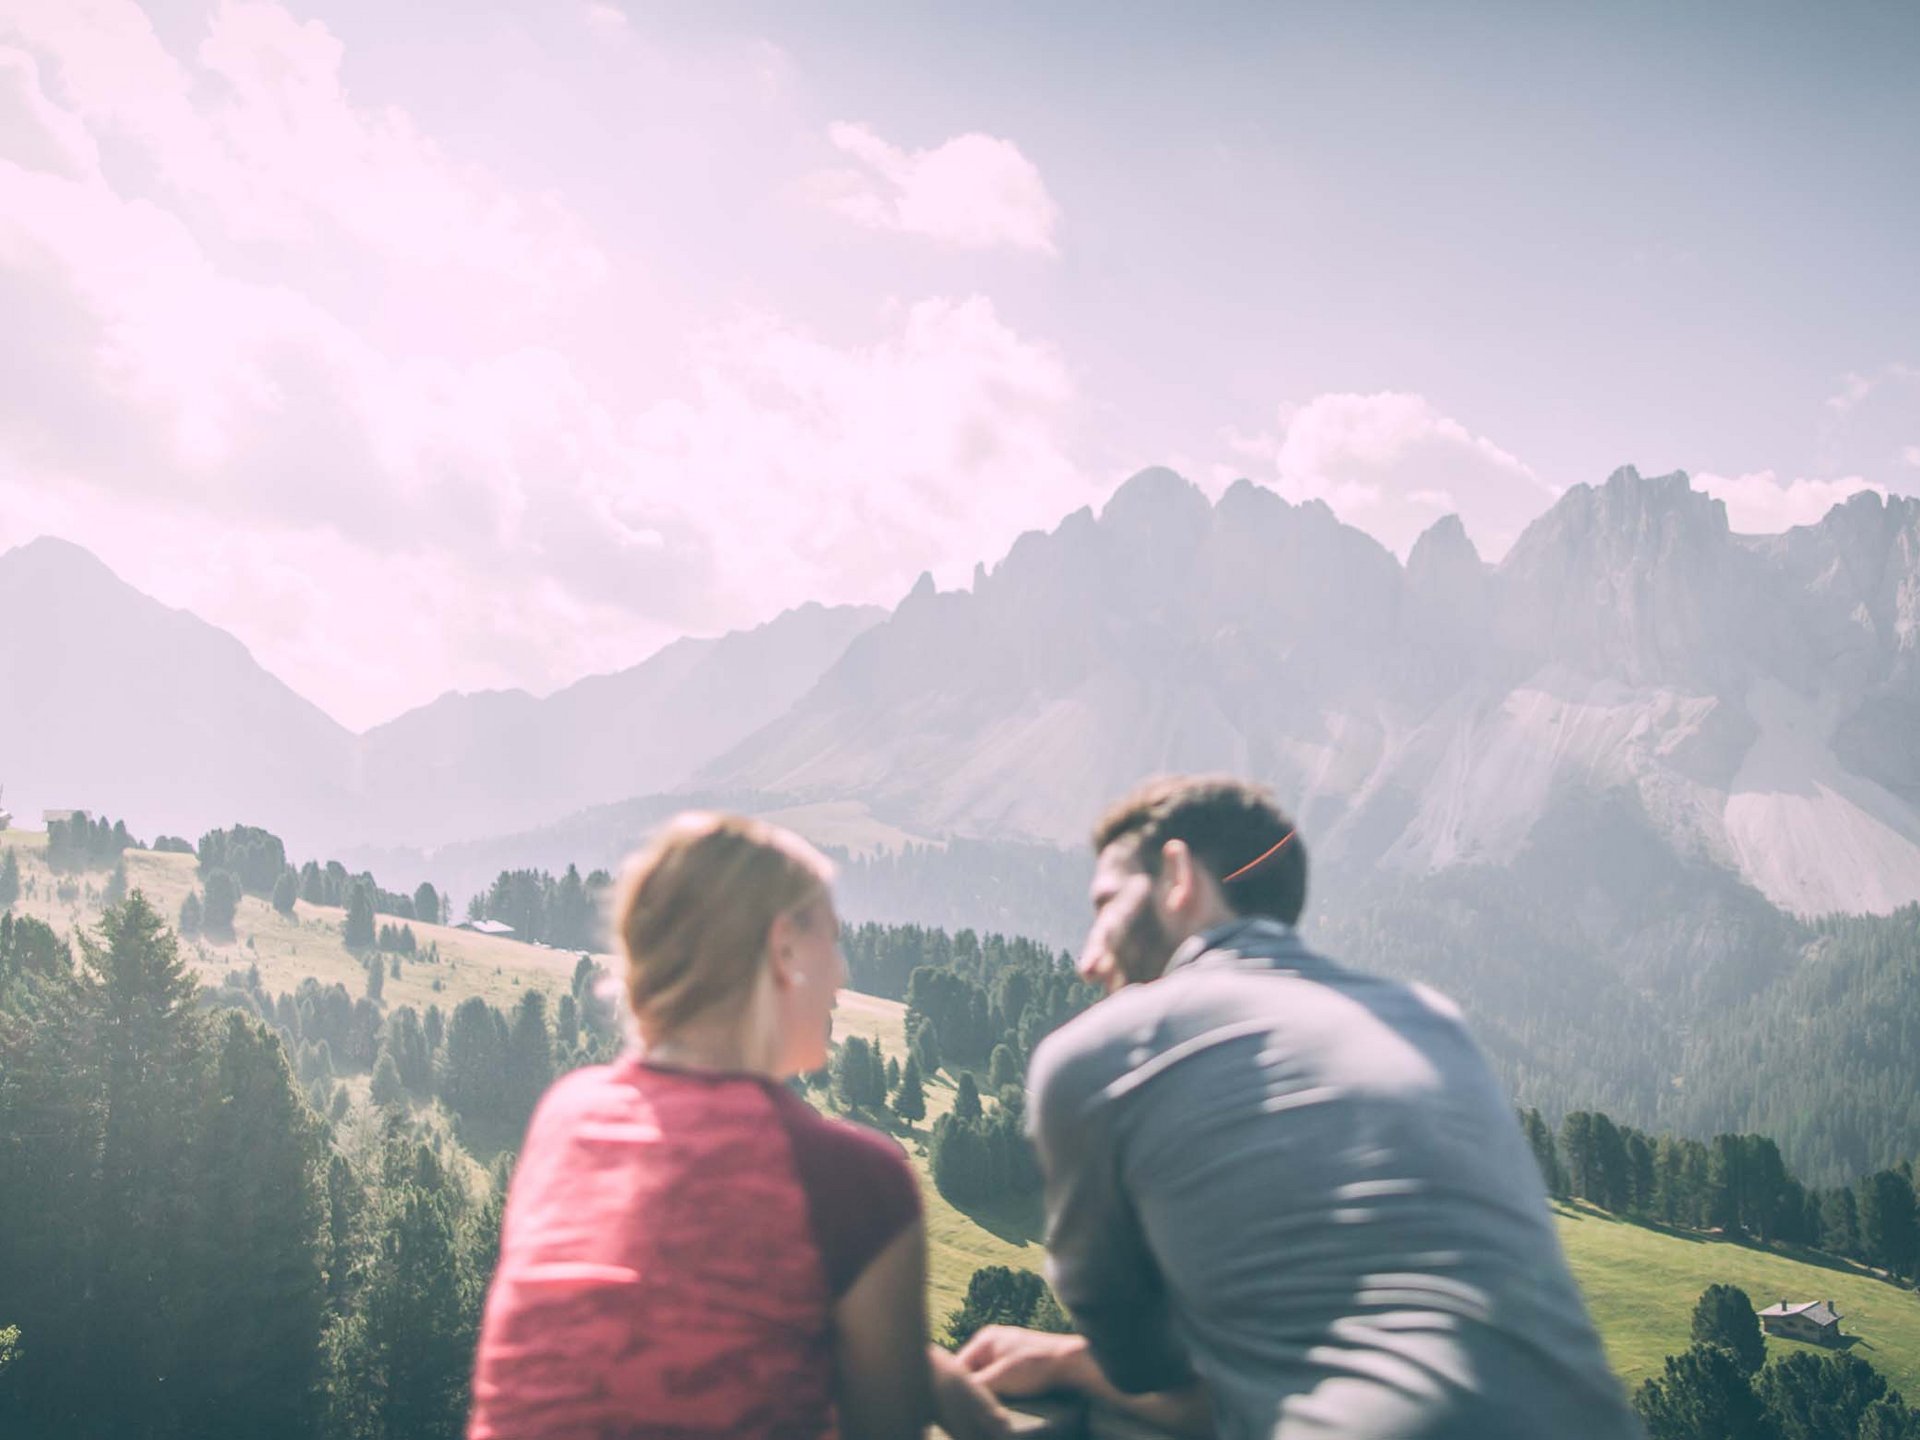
{"x":1755,"y":698}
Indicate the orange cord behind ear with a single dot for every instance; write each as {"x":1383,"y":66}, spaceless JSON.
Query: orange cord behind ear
{"x":1256,"y":864}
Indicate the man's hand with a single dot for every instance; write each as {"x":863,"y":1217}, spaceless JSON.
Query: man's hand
{"x":1014,"y":1362}
{"x":965,"y":1408}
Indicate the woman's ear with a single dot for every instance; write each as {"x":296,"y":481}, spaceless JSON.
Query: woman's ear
{"x":782,"y":963}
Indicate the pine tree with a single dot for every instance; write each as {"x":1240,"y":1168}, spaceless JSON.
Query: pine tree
{"x":473,"y":1063}
{"x":285,"y":890}
{"x":1814,"y":1397}
{"x":1703,"y":1395}
{"x":400,"y":1362}
{"x":1003,"y":1069}
{"x":966,"y":1099}
{"x":192,"y":916}
{"x":426,"y":904}
{"x":222,"y":901}
{"x":9,"y":880}
{"x":138,"y":1001}
{"x":529,"y":1058}
{"x":1887,"y":1221}
{"x":910,"y":1104}
{"x":1724,"y":1317}
{"x":850,"y":1073}
{"x":1889,"y":1419}
{"x":996,"y":1295}
{"x":357,"y":930}
{"x":261,"y":1290}
{"x":387,"y":1089}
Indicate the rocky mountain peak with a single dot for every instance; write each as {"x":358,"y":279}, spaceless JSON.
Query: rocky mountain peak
{"x":1443,"y":551}
{"x":1156,"y":500}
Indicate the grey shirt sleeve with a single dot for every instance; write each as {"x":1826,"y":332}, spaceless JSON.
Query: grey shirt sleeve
{"x":1097,"y":1255}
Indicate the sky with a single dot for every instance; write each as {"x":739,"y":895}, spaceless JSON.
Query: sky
{"x":462,"y":346}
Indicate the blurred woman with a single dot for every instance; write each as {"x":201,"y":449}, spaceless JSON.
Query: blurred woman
{"x":689,"y":1250}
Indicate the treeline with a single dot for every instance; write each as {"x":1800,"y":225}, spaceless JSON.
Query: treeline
{"x":564,"y":913}
{"x":1736,"y":1184}
{"x":1828,"y":1059}
{"x":972,"y":1001}
{"x":1722,"y":1388}
{"x":188,"y":1249}
{"x":82,"y":843}
{"x":488,"y":1067}
{"x":1014,"y":888}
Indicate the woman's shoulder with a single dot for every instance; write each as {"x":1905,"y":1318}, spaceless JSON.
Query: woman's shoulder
{"x":861,"y":1192}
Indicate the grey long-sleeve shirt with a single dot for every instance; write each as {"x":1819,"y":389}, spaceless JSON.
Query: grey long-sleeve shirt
{"x":1303,"y":1185}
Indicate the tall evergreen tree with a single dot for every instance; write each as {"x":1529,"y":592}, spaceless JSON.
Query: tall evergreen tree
{"x":529,"y":1058}
{"x":401,"y":1359}
{"x":261,"y":1292}
{"x":1819,"y":1397}
{"x":426,"y":904}
{"x":285,"y":891}
{"x":910,"y":1104}
{"x":222,"y":902}
{"x":357,"y":929}
{"x":1887,"y":1221}
{"x":1724,"y":1317}
{"x":1703,"y":1395}
{"x":138,"y":1002}
{"x":9,"y":880}
{"x":966,"y":1099}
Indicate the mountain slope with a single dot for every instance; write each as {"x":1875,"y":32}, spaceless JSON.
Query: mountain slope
{"x":115,"y":703}
{"x":468,"y":766}
{"x":111,"y":701}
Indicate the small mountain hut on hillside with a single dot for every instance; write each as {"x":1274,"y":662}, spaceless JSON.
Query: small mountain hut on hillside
{"x":1815,"y":1321}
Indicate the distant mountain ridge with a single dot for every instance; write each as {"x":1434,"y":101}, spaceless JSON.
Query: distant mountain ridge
{"x":1750,"y":693}
{"x":1755,"y":701}
{"x":112,"y":701}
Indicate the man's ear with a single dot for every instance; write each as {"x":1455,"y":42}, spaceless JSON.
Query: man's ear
{"x":1178,"y":875}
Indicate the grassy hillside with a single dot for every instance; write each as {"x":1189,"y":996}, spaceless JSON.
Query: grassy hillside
{"x":290,"y":948}
{"x":1641,"y":1283}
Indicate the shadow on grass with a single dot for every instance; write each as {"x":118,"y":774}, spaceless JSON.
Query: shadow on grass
{"x":1018,"y":1222}
{"x":1581,"y":1210}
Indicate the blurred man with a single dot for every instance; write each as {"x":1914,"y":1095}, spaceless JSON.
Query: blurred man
{"x":1284,"y":1200}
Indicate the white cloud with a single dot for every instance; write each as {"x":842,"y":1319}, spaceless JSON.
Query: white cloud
{"x":1870,"y":423}
{"x":381,"y":524}
{"x":1761,"y":503}
{"x":1391,"y":464}
{"x":974,"y":191}
{"x":262,"y":132}
{"x":606,"y":19}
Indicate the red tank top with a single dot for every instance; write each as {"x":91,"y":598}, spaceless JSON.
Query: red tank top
{"x":672,"y":1249}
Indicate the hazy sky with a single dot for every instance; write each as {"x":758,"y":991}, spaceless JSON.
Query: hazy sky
{"x":464,"y":345}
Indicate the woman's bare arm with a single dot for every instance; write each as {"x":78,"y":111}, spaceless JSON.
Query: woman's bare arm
{"x":887,"y":1388}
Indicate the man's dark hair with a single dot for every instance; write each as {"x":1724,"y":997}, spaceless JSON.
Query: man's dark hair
{"x":1228,"y":825}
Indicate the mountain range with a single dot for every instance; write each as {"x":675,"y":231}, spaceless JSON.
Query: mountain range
{"x":1753,"y":702}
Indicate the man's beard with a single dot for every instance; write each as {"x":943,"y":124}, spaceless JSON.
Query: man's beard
{"x":1144,"y":948}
